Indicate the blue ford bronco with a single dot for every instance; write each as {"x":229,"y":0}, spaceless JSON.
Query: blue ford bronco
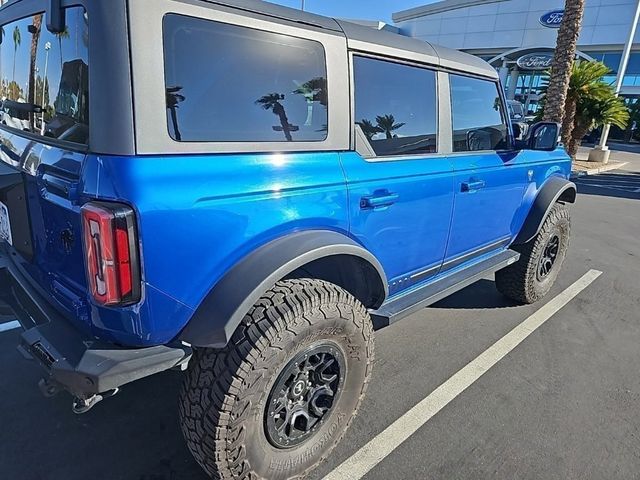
{"x":245,"y":192}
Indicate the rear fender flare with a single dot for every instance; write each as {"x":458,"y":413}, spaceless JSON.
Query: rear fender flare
{"x":224,"y":307}
{"x":555,"y":189}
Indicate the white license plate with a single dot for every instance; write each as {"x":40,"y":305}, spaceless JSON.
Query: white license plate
{"x":5,"y":226}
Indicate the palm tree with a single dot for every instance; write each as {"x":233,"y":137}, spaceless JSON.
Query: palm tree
{"x":272,"y":102}
{"x":17,"y":40}
{"x":60,"y":36}
{"x":35,"y":38}
{"x":387,"y":125}
{"x":368,"y":128}
{"x":563,"y":60}
{"x":174,"y":97}
{"x":597,"y":111}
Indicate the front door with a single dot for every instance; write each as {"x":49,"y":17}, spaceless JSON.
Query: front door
{"x":490,"y":178}
{"x":401,"y":193}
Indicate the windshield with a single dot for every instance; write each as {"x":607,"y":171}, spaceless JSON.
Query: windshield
{"x":44,"y":77}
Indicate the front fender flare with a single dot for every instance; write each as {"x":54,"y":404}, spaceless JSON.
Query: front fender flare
{"x":224,"y":307}
{"x":555,"y":189}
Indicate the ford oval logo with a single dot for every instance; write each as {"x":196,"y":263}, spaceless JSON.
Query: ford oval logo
{"x":552,"y":19}
{"x":535,"y":61}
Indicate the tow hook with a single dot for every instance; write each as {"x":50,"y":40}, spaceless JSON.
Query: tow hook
{"x":83,"y":405}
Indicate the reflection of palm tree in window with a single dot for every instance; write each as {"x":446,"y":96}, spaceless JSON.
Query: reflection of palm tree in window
{"x":174,"y":97}
{"x":272,"y":102}
{"x":315,"y":90}
{"x":35,"y":38}
{"x":387,"y":124}
{"x":17,"y":40}
{"x":369,"y":129}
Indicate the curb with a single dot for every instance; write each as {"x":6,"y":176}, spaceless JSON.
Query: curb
{"x":595,"y":171}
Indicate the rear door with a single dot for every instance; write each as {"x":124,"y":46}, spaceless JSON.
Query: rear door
{"x":400,"y":186}
{"x":490,"y":178}
{"x":49,"y":82}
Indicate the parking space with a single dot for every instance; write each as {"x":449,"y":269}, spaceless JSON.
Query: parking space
{"x":561,"y":404}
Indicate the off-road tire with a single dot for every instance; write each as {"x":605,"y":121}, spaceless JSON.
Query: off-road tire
{"x":224,"y":395}
{"x":521,"y":281}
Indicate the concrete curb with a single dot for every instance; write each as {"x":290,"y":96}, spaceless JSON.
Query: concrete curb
{"x":578,"y":172}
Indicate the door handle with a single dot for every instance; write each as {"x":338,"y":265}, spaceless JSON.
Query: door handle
{"x":473,"y":185}
{"x":378,"y":201}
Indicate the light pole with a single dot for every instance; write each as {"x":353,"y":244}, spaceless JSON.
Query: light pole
{"x":47,"y":47}
{"x":302,"y":5}
{"x":601,"y":152}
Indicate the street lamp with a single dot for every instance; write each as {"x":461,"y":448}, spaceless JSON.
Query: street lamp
{"x":302,"y":5}
{"x":601,"y":152}
{"x":47,"y":47}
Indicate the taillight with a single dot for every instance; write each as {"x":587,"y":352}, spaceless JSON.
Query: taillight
{"x":111,"y":253}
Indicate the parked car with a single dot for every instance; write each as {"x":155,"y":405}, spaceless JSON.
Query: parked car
{"x":15,"y":114}
{"x":258,"y":190}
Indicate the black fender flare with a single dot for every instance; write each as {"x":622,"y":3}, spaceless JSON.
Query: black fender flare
{"x":555,"y":189}
{"x":224,"y":307}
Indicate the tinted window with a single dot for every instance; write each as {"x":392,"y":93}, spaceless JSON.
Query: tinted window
{"x":478,"y":117}
{"x":233,"y":84}
{"x":45,"y":77}
{"x":395,"y":106}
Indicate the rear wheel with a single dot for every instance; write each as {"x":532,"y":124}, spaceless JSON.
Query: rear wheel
{"x":280,"y":397}
{"x":541,"y":259}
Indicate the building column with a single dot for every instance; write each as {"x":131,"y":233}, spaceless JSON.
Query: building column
{"x":503,"y":71}
{"x":513,"y":83}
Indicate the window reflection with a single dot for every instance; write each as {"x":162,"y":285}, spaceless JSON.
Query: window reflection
{"x":478,"y":116}
{"x":44,"y":77}
{"x":226,"y":83}
{"x":395,"y":106}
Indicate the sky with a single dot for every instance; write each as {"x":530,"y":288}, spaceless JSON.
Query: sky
{"x":356,"y":9}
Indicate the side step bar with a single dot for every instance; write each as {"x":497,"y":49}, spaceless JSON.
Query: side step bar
{"x":398,"y":308}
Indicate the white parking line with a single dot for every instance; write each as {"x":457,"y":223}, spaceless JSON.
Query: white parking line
{"x":361,"y":462}
{"x":4,"y":327}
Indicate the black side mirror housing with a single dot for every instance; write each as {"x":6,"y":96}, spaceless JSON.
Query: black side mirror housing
{"x":56,"y":18}
{"x":543,"y":136}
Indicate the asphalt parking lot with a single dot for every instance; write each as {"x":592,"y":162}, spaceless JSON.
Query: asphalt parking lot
{"x":562,"y":404}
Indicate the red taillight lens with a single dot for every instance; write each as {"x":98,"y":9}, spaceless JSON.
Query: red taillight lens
{"x":111,"y":251}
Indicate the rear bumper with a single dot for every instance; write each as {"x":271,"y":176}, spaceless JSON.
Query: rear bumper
{"x":84,"y":366}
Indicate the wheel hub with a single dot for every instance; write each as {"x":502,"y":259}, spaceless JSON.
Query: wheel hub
{"x":549,"y":257}
{"x":304,"y":395}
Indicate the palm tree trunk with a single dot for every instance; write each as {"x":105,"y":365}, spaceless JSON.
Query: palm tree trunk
{"x":568,"y":122}
{"x":563,"y":60}
{"x":35,"y":38}
{"x":579,"y":131}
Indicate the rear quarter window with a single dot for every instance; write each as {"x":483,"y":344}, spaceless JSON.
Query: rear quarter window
{"x":227,"y":83}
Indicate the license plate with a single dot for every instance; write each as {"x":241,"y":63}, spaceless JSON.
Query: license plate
{"x":5,"y":226}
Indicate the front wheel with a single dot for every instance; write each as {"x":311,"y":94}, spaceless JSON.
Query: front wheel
{"x":281,"y":395}
{"x":531,"y":277}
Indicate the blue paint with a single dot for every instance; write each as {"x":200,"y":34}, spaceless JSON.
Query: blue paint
{"x":199,"y":215}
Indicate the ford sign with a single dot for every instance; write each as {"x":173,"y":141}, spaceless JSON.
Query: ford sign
{"x":535,"y":61}
{"x":552,"y":19}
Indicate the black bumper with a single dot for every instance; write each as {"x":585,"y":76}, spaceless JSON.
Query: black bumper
{"x":84,"y":366}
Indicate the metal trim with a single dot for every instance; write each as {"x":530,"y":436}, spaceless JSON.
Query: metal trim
{"x":459,"y":260}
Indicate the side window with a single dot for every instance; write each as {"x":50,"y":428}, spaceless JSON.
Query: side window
{"x":226,"y":83}
{"x":478,"y":115}
{"x":44,"y":77}
{"x":396,"y":106}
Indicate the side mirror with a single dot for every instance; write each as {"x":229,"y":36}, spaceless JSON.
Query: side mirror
{"x":544,"y":136}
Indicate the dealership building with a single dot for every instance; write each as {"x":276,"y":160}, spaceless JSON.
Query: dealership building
{"x":518,"y":37}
